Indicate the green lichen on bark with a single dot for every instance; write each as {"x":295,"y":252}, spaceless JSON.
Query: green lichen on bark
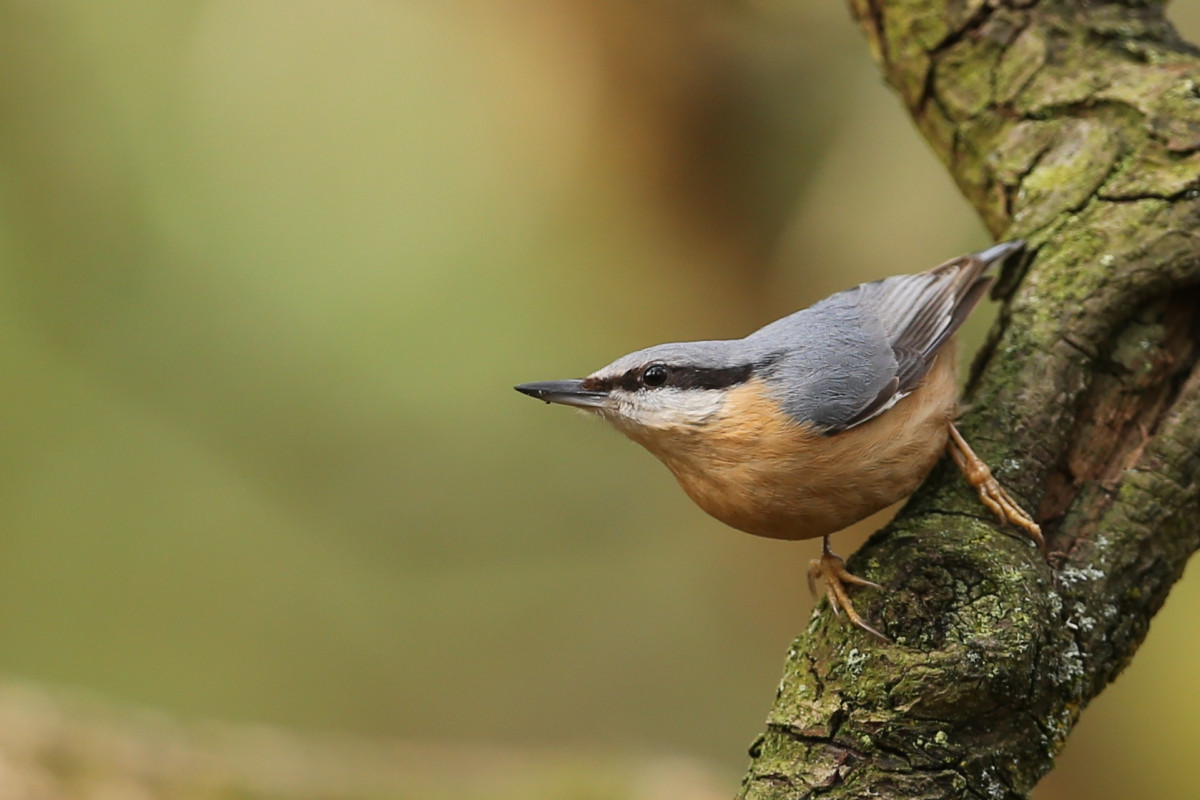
{"x":1077,"y":129}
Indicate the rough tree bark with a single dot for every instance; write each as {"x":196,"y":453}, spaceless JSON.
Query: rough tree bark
{"x":1076,"y":125}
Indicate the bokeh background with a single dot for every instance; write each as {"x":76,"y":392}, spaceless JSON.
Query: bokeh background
{"x":268,"y":270}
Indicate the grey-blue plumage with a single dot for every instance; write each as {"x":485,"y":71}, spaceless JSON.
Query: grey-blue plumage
{"x":845,"y":359}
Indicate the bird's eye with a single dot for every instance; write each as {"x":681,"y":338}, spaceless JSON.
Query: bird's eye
{"x":655,"y":375}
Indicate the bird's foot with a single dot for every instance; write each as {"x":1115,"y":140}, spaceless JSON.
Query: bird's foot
{"x":830,"y":570}
{"x":991,"y":493}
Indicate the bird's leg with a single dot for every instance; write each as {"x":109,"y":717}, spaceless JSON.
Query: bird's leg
{"x":991,"y":493}
{"x":830,"y":570}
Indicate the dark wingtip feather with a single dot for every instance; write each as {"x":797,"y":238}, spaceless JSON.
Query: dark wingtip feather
{"x":1000,"y":251}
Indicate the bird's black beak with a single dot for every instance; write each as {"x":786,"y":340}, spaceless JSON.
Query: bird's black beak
{"x":567,"y":393}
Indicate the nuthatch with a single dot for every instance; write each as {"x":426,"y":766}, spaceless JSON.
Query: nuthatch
{"x":817,"y":420}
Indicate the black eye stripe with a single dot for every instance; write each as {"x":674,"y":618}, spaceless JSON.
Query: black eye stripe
{"x":709,"y":377}
{"x":677,"y":378}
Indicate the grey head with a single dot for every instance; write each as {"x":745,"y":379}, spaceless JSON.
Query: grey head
{"x":831,"y":366}
{"x":681,"y":383}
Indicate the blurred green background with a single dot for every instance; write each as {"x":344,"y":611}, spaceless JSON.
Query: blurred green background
{"x":268,"y":271}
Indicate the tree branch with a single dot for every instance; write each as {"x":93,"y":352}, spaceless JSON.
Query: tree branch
{"x":1074,"y":124}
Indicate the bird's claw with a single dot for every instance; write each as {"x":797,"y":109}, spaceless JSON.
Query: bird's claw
{"x":991,"y":493}
{"x":830,"y":570}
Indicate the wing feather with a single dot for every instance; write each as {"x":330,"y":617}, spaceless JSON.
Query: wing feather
{"x":919,"y":313}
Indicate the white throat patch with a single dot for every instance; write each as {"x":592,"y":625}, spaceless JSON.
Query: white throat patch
{"x":665,"y":408}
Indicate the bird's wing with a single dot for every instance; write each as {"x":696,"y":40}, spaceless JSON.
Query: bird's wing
{"x":919,"y":313}
{"x":867,"y":348}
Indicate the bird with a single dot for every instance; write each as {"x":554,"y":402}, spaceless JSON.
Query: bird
{"x":816,"y":420}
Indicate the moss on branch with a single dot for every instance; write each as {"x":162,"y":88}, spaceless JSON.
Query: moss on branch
{"x":1076,"y":127}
